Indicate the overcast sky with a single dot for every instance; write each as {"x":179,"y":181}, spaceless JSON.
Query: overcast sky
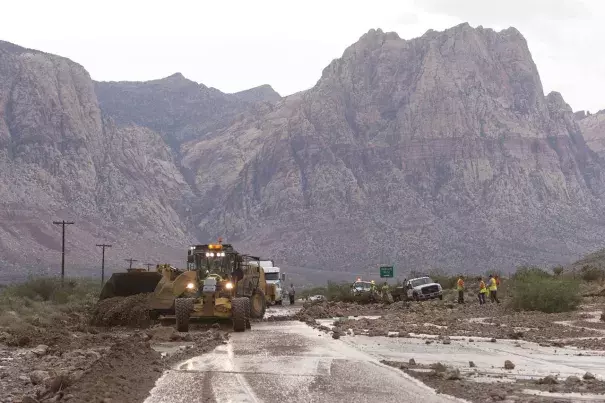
{"x":235,"y":45}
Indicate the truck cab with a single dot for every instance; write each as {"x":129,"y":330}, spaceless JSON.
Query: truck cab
{"x":273,"y":275}
{"x":423,"y":288}
{"x":275,"y":280}
{"x":361,"y":287}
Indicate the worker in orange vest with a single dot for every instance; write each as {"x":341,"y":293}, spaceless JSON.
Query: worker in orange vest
{"x":482,"y":291}
{"x":460,"y":288}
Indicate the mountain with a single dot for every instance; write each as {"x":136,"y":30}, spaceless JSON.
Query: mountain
{"x":263,"y":93}
{"x":440,"y":151}
{"x":593,"y":129}
{"x":61,"y":159}
{"x":176,"y":107}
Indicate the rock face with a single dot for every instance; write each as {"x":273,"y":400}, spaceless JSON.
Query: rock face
{"x":178,"y":108}
{"x":263,"y":93}
{"x":593,"y":129}
{"x":60,"y":158}
{"x":441,"y":151}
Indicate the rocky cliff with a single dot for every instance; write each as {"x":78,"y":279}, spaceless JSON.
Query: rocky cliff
{"x":176,"y":107}
{"x":441,"y":151}
{"x":60,"y":158}
{"x":593,"y":129}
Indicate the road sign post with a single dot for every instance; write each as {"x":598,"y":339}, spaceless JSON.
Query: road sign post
{"x":387,"y":271}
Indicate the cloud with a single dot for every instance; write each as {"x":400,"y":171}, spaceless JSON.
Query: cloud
{"x":499,"y":12}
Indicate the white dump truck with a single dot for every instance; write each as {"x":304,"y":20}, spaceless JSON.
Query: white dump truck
{"x":275,"y":280}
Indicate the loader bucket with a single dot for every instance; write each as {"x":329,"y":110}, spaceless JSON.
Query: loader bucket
{"x":125,"y":284}
{"x":166,"y":291}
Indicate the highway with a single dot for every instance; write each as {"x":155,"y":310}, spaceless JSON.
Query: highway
{"x":288,"y":362}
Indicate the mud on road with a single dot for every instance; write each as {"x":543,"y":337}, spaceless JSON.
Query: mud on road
{"x":439,"y":318}
{"x":553,"y":353}
{"x":94,"y":357}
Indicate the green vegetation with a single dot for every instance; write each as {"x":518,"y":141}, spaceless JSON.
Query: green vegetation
{"x":534,"y":289}
{"x":447,"y":281}
{"x":42,"y":300}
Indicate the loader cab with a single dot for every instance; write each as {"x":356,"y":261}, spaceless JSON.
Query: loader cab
{"x":212,"y":259}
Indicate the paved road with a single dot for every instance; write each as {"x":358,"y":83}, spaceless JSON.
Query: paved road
{"x":288,"y":362}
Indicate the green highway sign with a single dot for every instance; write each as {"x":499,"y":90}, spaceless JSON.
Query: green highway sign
{"x":386,"y":271}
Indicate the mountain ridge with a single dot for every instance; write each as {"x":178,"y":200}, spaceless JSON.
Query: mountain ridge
{"x":438,"y":151}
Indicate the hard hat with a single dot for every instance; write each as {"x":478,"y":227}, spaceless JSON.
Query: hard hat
{"x":373,"y":282}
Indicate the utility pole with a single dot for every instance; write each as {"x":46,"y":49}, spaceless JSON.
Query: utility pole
{"x":130,"y":261}
{"x":148,"y":266}
{"x":103,"y":261}
{"x":63,"y":223}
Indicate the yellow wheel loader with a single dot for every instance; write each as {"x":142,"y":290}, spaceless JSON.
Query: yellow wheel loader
{"x":228,"y":285}
{"x":168,"y":283}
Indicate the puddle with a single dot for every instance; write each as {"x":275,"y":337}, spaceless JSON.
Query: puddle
{"x":487,"y":379}
{"x":434,"y":325}
{"x":531,"y":360}
{"x":480,"y":320}
{"x":576,"y":397}
{"x":170,"y":347}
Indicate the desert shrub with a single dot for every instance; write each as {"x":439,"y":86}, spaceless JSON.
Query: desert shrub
{"x":536,"y":290}
{"x":591,"y":273}
{"x":42,"y":299}
{"x":447,"y":281}
{"x":529,"y":272}
{"x":339,"y":291}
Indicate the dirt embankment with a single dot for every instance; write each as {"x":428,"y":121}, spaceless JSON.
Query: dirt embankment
{"x":105,"y":356}
{"x":130,"y":311}
{"x":447,"y":319}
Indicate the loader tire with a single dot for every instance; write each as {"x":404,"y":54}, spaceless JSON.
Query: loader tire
{"x":258,"y":304}
{"x":248,"y":325}
{"x":239,"y":313}
{"x":182,"y":310}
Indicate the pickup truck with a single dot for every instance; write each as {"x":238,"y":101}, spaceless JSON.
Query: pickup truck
{"x":418,"y":289}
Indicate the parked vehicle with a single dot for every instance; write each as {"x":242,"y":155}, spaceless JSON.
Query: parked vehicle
{"x":418,"y":289}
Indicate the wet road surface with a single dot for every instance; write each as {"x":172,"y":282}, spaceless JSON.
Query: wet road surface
{"x":288,"y":362}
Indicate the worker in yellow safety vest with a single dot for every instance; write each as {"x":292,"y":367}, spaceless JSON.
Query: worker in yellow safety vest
{"x":482,"y":291}
{"x":460,"y":288}
{"x":493,"y":289}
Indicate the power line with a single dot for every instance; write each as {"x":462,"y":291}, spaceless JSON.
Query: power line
{"x":103,"y":261}
{"x":130,"y":261}
{"x":148,"y":266}
{"x":63,"y":223}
